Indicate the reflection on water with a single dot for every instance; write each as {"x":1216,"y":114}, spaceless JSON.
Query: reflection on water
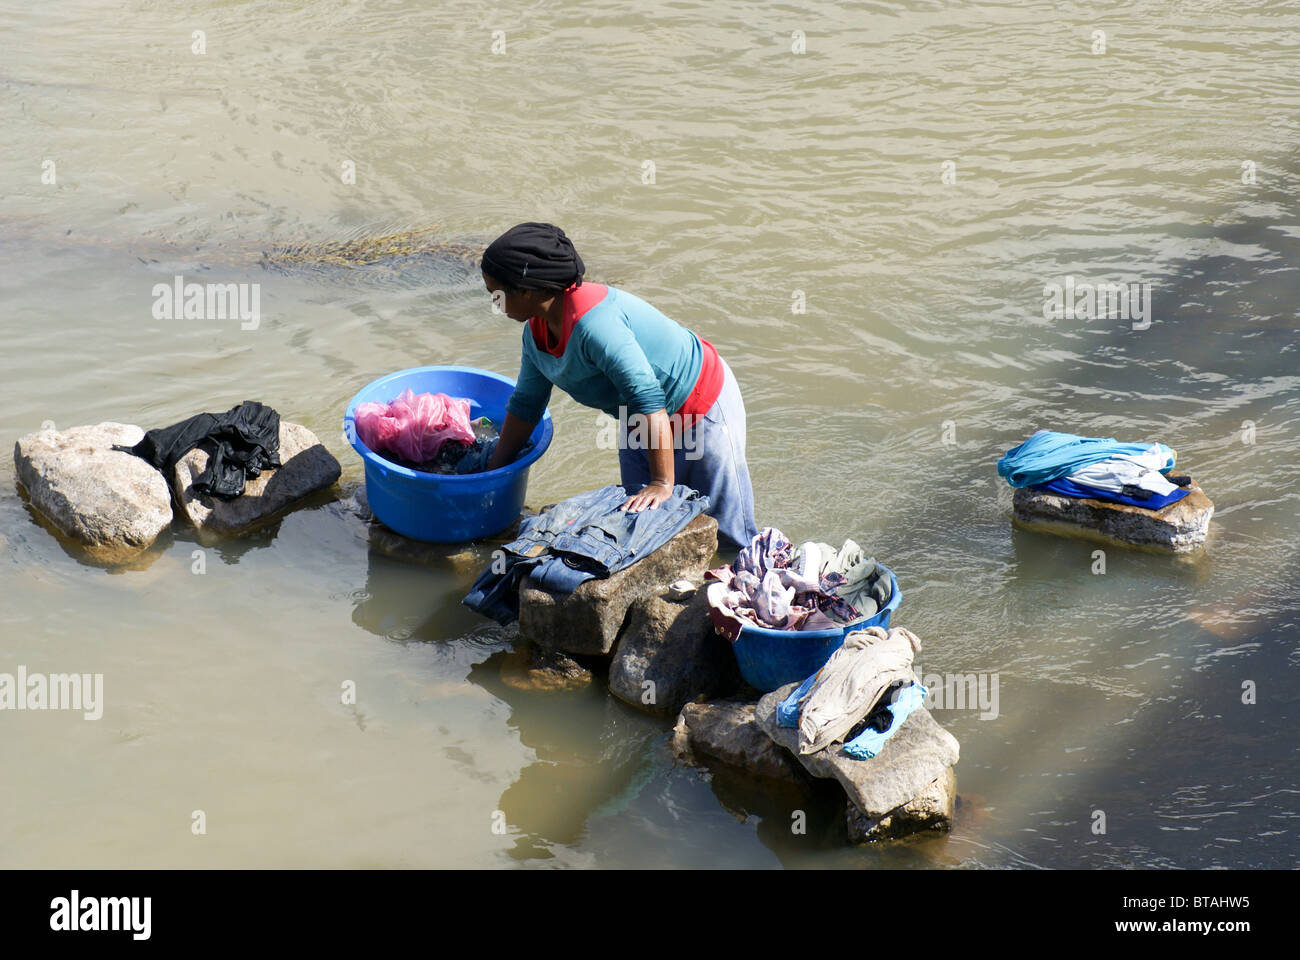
{"x":877,"y":413}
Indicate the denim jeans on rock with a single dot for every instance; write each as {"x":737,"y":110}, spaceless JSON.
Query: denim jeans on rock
{"x":581,"y":538}
{"x":711,"y":460}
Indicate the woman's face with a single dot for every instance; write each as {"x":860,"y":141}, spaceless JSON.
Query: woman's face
{"x":519,"y":305}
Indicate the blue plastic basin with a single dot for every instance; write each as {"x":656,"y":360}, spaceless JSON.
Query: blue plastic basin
{"x":772,"y":658}
{"x":445,"y":508}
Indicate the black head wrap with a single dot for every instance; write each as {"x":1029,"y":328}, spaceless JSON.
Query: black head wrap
{"x":533,"y":256}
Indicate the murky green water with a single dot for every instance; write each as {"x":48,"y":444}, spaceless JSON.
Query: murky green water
{"x":774,"y":172}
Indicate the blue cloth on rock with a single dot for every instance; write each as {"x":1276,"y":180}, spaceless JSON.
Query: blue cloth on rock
{"x":869,"y":742}
{"x":1048,"y":456}
{"x":580,"y":538}
{"x":787,"y":711}
{"x":1068,"y":488}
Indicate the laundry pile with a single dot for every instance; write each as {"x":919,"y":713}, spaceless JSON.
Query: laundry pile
{"x":458,"y":457}
{"x":577,"y":540}
{"x":243,"y":441}
{"x":775,"y":585}
{"x":860,"y":698}
{"x":430,"y":432}
{"x":1099,"y":468}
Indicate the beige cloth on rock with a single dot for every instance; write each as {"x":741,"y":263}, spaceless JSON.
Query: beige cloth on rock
{"x":851,"y":682}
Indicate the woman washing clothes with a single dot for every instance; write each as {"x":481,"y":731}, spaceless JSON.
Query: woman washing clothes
{"x":613,"y":351}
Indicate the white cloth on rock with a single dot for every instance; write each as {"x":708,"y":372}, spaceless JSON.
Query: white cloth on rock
{"x":1128,"y":469}
{"x":851,"y":682}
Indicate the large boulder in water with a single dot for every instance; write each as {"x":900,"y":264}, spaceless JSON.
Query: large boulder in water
{"x":1178,"y":528}
{"x":728,"y":731}
{"x":905,"y":788}
{"x":306,"y":467}
{"x":669,"y":654}
{"x":589,"y":619}
{"x":725,"y":730}
{"x":110,"y":502}
{"x":931,"y":809}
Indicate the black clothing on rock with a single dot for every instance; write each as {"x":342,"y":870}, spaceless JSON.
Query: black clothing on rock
{"x":242,"y":442}
{"x":880,"y":716}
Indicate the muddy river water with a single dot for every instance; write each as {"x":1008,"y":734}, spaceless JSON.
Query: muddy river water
{"x":860,"y":206}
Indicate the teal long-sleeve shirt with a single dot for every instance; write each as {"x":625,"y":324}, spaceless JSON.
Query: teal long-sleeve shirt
{"x":622,"y":353}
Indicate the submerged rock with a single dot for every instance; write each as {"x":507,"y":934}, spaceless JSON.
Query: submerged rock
{"x":1178,"y":528}
{"x":110,"y":502}
{"x":530,"y":666}
{"x":306,"y":467}
{"x":668,"y":654}
{"x":463,"y":559}
{"x":725,"y":730}
{"x":907,"y":767}
{"x":589,"y":619}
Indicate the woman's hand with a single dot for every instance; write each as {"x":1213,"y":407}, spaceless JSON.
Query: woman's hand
{"x":651,"y":495}
{"x":514,"y":434}
{"x":662,"y":478}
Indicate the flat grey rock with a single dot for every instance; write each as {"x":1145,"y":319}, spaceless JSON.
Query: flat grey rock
{"x":910,"y":761}
{"x":1178,"y":528}
{"x":725,"y":730}
{"x":306,"y":467}
{"x":668,"y":654}
{"x":589,"y":619}
{"x":931,"y":809}
{"x":111,"y":503}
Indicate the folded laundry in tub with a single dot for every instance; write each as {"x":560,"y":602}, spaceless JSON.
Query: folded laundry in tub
{"x":772,"y":584}
{"x":830,"y":703}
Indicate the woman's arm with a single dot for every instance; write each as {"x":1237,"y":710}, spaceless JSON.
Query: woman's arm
{"x":526,"y":406}
{"x":514,"y":434}
{"x":660,"y":487}
{"x":613,"y":349}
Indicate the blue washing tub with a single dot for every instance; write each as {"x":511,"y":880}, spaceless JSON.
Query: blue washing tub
{"x":443,"y":508}
{"x":772,"y":658}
